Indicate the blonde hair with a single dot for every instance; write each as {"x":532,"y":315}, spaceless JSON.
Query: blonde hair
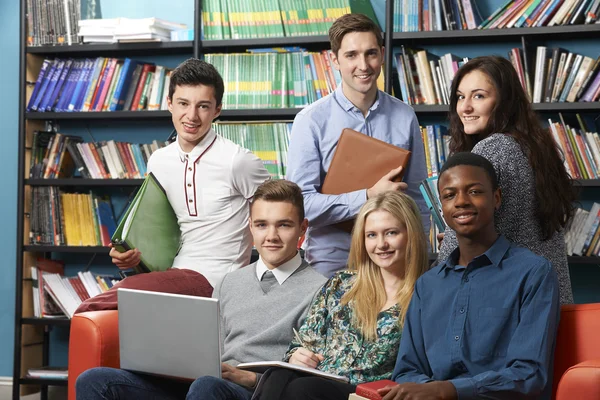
{"x":367,"y":295}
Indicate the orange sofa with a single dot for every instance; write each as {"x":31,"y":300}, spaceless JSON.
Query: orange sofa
{"x":94,"y":342}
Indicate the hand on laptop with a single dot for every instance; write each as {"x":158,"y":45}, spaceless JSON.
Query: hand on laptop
{"x":238,"y":376}
{"x":127,"y":260}
{"x":306,"y":358}
{"x":386,"y":183}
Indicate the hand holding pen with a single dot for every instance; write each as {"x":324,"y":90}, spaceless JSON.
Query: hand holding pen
{"x":304,"y":357}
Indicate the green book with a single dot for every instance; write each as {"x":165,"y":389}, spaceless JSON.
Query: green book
{"x":150,"y":225}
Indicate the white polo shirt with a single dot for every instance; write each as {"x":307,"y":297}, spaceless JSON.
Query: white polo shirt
{"x":209,"y":190}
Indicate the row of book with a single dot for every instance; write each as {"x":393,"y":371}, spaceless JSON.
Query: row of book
{"x":125,"y":30}
{"x":52,"y":22}
{"x":55,"y":295}
{"x":582,"y":234}
{"x":580,"y":147}
{"x":55,"y":155}
{"x":560,"y":75}
{"x":424,"y":77}
{"x":435,"y":15}
{"x":531,"y":13}
{"x":275,"y":80}
{"x":101,"y":84}
{"x":436,"y":142}
{"x":268,"y":141}
{"x":72,"y":219}
{"x":224,"y":19}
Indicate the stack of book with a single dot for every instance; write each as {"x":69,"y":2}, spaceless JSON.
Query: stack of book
{"x":55,"y":295}
{"x":273,"y":79}
{"x":436,"y":142}
{"x":127,"y":30}
{"x":48,"y":373}
{"x":435,"y":15}
{"x":54,"y":155}
{"x":582,"y":234}
{"x":52,"y":22}
{"x":101,"y":84}
{"x":424,"y":77}
{"x":73,"y":219}
{"x":531,"y":13}
{"x":223,"y":19}
{"x":269,"y":142}
{"x":580,"y":147}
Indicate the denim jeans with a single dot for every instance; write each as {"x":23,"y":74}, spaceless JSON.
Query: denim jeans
{"x":116,"y":384}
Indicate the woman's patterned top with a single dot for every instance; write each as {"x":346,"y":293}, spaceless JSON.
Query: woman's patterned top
{"x":330,"y":331}
{"x":516,"y":217}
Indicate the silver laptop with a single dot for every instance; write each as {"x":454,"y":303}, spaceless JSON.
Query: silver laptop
{"x":169,"y":334}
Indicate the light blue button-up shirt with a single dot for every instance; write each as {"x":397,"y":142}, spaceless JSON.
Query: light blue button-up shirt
{"x":314,"y":138}
{"x":489,"y":328}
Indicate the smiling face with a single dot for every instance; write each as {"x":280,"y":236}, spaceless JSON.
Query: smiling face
{"x":193,"y":109}
{"x":469,"y":201}
{"x":276,"y":228}
{"x":359,"y":61}
{"x":476,"y":98}
{"x":386,"y":239}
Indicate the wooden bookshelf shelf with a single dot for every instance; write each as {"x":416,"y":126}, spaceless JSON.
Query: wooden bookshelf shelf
{"x":27,"y":380}
{"x":84,"y":182}
{"x":583,"y":260}
{"x":94,"y":49}
{"x":66,"y":249}
{"x":46,"y":321}
{"x":107,"y":115}
{"x":493,"y":35}
{"x":587,"y":182}
{"x":308,"y":42}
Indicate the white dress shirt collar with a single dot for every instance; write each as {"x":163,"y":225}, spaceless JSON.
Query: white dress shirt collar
{"x":200,"y":148}
{"x":282,"y":272}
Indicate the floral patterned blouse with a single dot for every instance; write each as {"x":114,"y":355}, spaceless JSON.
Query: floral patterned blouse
{"x":328,"y":330}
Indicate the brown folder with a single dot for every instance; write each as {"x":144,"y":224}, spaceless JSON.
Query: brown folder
{"x":359,"y":162}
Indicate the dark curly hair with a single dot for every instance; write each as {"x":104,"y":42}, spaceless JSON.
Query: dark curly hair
{"x":514,"y":116}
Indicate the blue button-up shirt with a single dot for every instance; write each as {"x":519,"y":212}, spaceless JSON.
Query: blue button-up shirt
{"x":314,"y":138}
{"x":489,"y":328}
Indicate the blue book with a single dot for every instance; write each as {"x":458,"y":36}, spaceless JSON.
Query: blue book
{"x":571,"y":78}
{"x":139,"y":159}
{"x":67,"y":92}
{"x":118,"y":100}
{"x":86,"y":82}
{"x":59,"y":85}
{"x":45,"y":83}
{"x":80,"y":86}
{"x":50,"y":88}
{"x":38,"y":83}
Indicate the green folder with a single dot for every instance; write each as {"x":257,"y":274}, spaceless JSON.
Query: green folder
{"x":150,"y":225}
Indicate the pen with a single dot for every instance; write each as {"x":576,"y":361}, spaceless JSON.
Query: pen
{"x":297,"y":336}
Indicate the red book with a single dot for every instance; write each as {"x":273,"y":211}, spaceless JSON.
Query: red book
{"x":369,"y":389}
{"x":140,"y":88}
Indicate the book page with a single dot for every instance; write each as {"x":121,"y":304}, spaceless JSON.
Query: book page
{"x":262,"y":366}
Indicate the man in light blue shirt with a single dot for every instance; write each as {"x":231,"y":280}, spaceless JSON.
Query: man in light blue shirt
{"x":356,"y":104}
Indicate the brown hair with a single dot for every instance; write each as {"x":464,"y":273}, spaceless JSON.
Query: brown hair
{"x":513,"y":115}
{"x":281,"y":190}
{"x":367,"y":295}
{"x":349,"y":23}
{"x":194,"y":72}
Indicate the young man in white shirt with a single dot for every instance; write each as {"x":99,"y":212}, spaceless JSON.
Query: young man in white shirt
{"x":209,"y":182}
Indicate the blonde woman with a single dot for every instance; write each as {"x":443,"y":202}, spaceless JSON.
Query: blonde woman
{"x":353,"y":327}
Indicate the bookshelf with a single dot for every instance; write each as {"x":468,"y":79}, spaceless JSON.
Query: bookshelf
{"x":35,"y":330}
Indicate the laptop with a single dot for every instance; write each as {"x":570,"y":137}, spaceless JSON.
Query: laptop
{"x":169,"y":334}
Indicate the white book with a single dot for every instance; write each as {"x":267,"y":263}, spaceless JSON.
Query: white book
{"x":540,"y":68}
{"x":112,"y":170}
{"x":262,"y":366}
{"x":121,"y":170}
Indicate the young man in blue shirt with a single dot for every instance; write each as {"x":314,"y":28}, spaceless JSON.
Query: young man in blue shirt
{"x":357,"y":104}
{"x":483,"y":323}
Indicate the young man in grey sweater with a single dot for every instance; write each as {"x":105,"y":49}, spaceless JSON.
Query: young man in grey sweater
{"x":260,"y":304}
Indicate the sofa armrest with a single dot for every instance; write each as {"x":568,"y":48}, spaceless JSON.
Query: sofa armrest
{"x":581,"y":381}
{"x":93,"y":342}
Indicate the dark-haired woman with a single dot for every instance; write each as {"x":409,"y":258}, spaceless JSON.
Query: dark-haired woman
{"x":490,"y":115}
